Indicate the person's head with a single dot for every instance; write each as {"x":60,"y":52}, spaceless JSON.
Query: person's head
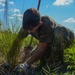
{"x":31,"y":19}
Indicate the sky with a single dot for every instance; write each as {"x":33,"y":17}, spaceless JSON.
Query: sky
{"x":62,"y":11}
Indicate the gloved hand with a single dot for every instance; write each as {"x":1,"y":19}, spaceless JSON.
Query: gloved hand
{"x":21,"y":69}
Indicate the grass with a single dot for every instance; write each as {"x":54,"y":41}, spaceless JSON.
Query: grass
{"x":6,"y":41}
{"x":70,"y":56}
{"x":7,"y":38}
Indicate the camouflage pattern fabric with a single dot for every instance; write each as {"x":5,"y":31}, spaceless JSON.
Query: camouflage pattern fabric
{"x":62,"y":37}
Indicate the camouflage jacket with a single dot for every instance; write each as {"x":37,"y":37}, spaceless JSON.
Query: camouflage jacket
{"x":44,"y":32}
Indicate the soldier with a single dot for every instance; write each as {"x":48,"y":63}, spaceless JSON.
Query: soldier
{"x":40,"y":27}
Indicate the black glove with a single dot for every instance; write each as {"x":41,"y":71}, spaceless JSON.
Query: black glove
{"x":22,"y":70}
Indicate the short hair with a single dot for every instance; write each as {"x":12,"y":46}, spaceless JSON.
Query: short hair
{"x":31,"y":18}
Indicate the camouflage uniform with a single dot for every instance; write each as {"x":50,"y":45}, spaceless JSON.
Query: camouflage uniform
{"x":57,"y":37}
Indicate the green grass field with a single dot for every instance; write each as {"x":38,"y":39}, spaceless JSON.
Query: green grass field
{"x":6,"y":40}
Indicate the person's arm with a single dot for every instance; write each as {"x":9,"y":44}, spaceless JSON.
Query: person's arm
{"x":43,"y":42}
{"x":15,"y":48}
{"x":37,"y":54}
